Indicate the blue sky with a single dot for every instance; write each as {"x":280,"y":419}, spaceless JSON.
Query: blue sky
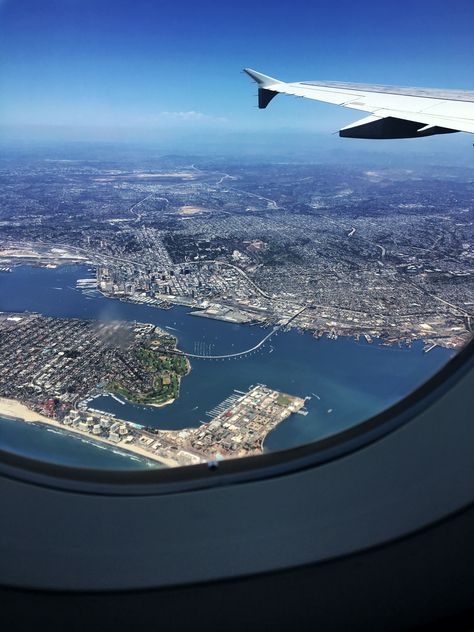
{"x":100,"y":68}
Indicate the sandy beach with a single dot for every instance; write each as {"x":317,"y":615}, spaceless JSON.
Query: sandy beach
{"x":14,"y":409}
{"x":169,"y":401}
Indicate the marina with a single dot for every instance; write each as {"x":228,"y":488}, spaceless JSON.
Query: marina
{"x":228,"y":402}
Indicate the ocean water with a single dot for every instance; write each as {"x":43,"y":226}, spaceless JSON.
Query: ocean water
{"x":65,"y":448}
{"x":347,"y":380}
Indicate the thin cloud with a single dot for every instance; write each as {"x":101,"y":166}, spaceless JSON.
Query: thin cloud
{"x":192,"y":115}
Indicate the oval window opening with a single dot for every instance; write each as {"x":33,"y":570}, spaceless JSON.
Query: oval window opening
{"x":185,"y":279}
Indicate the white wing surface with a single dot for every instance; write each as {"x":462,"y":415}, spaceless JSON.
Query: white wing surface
{"x":394,"y":112}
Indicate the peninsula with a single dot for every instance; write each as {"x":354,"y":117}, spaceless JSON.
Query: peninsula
{"x":238,"y":428}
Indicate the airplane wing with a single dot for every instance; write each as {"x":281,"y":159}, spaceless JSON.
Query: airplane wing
{"x":394,"y":112}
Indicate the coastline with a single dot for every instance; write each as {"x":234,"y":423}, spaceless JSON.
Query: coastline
{"x":14,"y":409}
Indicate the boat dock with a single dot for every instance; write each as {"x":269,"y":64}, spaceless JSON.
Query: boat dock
{"x":225,"y":405}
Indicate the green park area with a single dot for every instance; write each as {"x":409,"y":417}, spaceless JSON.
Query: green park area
{"x":283,"y":400}
{"x":159,"y":370}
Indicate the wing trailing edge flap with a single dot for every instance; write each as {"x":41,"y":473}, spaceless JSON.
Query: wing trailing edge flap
{"x":390,"y":127}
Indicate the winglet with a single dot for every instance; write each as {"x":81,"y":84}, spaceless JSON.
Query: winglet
{"x":265,"y":85}
{"x":262,"y":80}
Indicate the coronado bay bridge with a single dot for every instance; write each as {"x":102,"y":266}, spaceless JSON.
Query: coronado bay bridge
{"x":246,"y":351}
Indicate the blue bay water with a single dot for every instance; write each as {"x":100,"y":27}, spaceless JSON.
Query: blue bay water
{"x":353,"y":380}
